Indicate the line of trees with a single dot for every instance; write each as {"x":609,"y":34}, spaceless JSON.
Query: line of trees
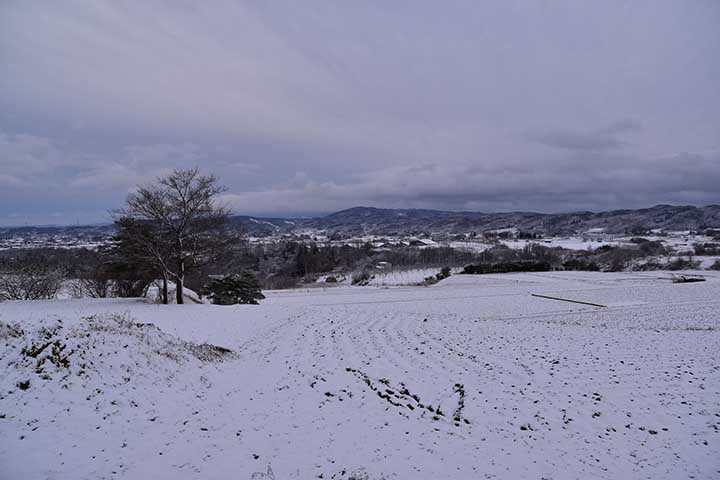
{"x":176,"y":231}
{"x":30,"y":278}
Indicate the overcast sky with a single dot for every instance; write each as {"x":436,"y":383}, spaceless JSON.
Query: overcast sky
{"x":314,"y":106}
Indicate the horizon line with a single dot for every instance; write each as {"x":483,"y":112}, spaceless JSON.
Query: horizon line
{"x":309,"y":216}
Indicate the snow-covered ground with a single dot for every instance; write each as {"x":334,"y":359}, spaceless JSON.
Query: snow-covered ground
{"x":471,"y":378}
{"x":682,"y":242}
{"x":706,"y":261}
{"x":402,"y":277}
{"x":571,"y":243}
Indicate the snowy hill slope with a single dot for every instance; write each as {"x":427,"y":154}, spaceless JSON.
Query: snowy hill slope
{"x":470,"y":378}
{"x":386,"y":221}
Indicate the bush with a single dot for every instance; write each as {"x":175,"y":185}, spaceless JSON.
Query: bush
{"x":715,"y":266}
{"x":707,"y":248}
{"x":604,"y":249}
{"x":131,"y":288}
{"x":361,"y":278}
{"x":683,"y":264}
{"x":331,"y":279}
{"x":444,"y":273}
{"x":580,"y":264}
{"x":507,"y":267}
{"x":279,"y":281}
{"x":93,"y":280}
{"x":92,"y":287}
{"x":616,"y":259}
{"x":648,"y":248}
{"x":441,"y":275}
{"x":650,"y":265}
{"x":30,"y":279}
{"x":233,"y":289}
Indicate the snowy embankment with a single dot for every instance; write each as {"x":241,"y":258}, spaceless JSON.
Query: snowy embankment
{"x":470,"y":378}
{"x":402,"y":277}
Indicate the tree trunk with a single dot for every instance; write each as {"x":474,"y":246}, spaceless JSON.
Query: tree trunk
{"x":180,"y":282}
{"x":165,"y":290}
{"x":179,"y":290}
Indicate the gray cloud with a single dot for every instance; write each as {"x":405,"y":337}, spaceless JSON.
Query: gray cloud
{"x":608,"y":137}
{"x":684,"y":178}
{"x":318,"y":106}
{"x":626,"y":125}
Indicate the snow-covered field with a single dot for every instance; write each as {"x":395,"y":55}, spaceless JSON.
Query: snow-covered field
{"x":401,"y":277}
{"x":571,"y":243}
{"x":470,"y":378}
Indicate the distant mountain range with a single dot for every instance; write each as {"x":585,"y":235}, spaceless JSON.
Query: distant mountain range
{"x":381,"y":221}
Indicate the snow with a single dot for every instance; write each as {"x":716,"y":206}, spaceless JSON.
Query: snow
{"x":264,"y":222}
{"x":154,"y":294}
{"x":401,"y":277}
{"x":570,"y":243}
{"x":706,"y":261}
{"x":680,"y":241}
{"x":471,"y":246}
{"x":322,"y":381}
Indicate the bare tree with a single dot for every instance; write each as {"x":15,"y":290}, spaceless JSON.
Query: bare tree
{"x":176,"y":222}
{"x":30,"y":279}
{"x":93,"y":279}
{"x":92,"y":287}
{"x":140,"y":254}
